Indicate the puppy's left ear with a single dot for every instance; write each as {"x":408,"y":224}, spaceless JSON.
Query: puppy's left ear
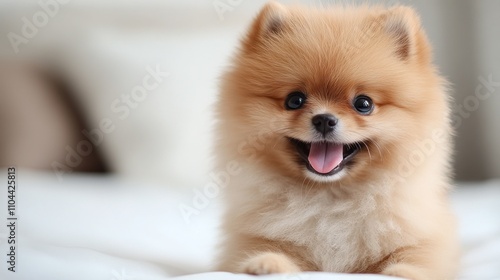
{"x":270,"y":21}
{"x":402,"y":24}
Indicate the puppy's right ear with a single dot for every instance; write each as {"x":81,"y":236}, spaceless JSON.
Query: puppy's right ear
{"x":269,"y":22}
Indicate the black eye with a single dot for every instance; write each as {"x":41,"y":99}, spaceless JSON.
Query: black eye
{"x":363,"y":104}
{"x":295,"y":100}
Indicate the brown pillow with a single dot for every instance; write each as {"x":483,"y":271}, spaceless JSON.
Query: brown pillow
{"x":39,"y":125}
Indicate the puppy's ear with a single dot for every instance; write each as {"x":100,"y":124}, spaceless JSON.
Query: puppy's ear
{"x":269,"y":22}
{"x":402,"y":24}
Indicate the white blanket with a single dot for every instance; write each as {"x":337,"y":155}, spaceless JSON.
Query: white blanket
{"x":99,"y":227}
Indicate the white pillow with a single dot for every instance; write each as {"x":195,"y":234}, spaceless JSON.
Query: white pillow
{"x":154,"y":93}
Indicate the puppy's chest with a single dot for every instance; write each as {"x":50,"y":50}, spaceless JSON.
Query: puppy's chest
{"x":338,"y":233}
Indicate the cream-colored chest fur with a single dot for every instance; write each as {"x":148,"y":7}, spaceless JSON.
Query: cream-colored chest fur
{"x":340,"y":231}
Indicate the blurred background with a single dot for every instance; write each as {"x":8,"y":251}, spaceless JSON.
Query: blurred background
{"x":127,"y":87}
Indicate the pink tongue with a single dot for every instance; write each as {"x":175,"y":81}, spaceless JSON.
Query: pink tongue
{"x":324,"y":157}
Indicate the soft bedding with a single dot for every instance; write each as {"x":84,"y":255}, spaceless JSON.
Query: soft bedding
{"x":100,"y":227}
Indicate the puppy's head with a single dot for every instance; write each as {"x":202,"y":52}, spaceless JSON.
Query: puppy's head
{"x":330,"y":94}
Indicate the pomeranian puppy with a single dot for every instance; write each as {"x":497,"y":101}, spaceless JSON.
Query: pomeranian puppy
{"x":338,"y":125}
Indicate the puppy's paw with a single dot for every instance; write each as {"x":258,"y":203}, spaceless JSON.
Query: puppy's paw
{"x":268,"y":263}
{"x":403,"y":270}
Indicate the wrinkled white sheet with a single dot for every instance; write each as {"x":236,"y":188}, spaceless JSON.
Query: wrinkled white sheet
{"x":98,"y":227}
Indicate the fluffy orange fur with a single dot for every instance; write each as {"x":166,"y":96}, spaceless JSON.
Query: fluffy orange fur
{"x":387,"y":211}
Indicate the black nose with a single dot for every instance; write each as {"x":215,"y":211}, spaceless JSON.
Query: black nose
{"x":324,"y":123}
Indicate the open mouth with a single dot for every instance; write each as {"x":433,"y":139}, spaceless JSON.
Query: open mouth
{"x":325,"y":158}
